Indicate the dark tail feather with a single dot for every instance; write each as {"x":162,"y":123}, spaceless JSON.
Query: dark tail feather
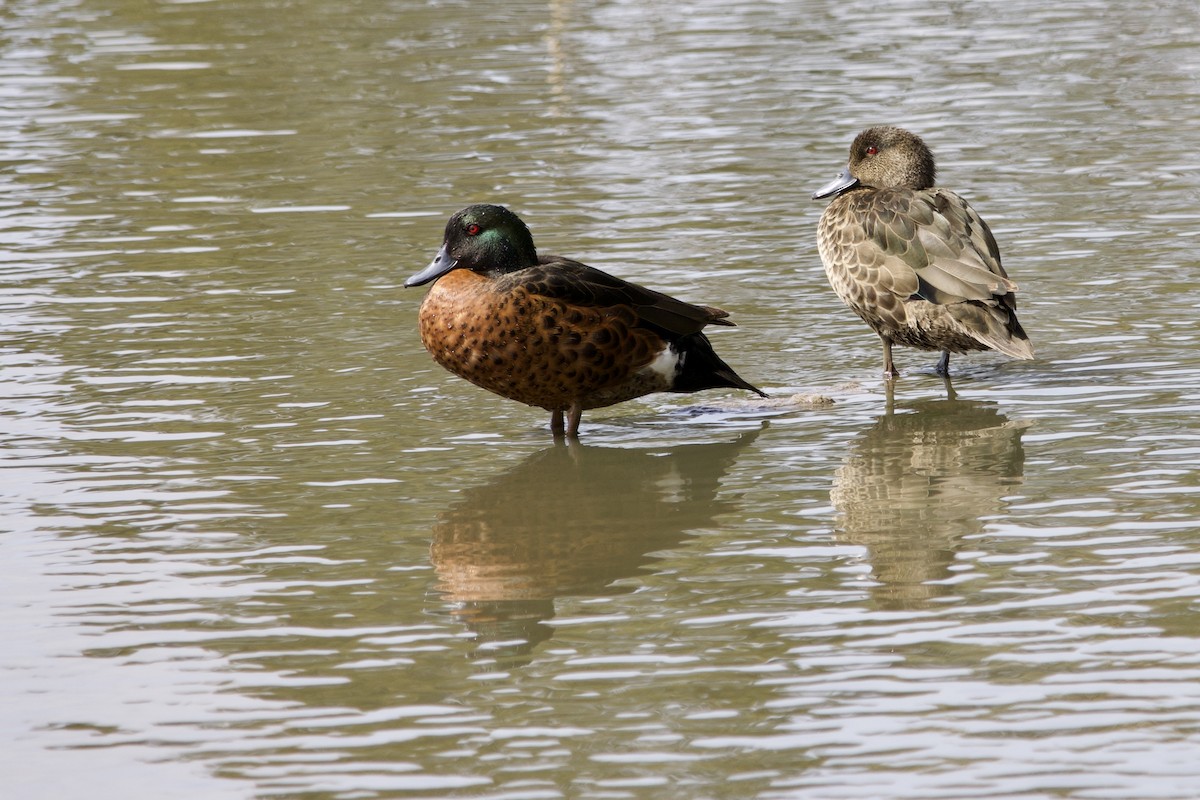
{"x":701,"y":368}
{"x":994,"y":325}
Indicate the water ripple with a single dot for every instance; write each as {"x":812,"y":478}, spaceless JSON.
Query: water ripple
{"x":256,"y":543}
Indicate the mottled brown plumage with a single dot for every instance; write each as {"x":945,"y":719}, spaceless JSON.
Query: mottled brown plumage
{"x":915,"y":262}
{"x":554,"y":333}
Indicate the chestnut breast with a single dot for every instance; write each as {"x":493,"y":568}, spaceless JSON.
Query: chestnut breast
{"x":535,"y":349}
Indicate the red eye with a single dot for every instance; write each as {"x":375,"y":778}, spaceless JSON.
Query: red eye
{"x":473,"y":229}
{"x":872,"y":150}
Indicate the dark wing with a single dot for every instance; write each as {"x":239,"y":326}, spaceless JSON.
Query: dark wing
{"x":580,"y":285}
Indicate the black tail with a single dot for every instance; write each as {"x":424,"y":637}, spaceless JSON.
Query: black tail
{"x":701,"y":368}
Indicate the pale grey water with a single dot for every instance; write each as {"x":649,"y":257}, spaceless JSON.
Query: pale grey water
{"x":255,"y":544}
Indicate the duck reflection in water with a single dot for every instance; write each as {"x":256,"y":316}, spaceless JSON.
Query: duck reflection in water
{"x":569,"y":521}
{"x":917,"y":482}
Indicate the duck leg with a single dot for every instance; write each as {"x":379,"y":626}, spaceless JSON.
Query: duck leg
{"x":571,"y":428}
{"x":574,"y":414}
{"x":889,"y":369}
{"x":943,"y":365}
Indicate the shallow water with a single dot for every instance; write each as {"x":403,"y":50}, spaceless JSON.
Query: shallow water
{"x":256,"y":544}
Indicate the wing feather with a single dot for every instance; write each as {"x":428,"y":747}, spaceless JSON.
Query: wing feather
{"x":578,"y":284}
{"x":935,"y":240}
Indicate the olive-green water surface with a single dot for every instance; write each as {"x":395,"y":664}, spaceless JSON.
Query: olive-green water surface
{"x":254,"y":543}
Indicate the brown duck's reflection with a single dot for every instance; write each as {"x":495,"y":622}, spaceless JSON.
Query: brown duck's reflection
{"x":569,"y":521}
{"x":919,"y":480}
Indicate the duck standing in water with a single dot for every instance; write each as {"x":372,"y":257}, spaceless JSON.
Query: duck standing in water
{"x":915,"y":261}
{"x":554,"y":333}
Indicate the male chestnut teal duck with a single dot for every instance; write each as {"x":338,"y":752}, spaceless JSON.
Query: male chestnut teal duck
{"x":554,"y":333}
{"x":913,"y":260}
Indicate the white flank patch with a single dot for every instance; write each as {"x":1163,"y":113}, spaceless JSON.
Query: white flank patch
{"x":665,"y":364}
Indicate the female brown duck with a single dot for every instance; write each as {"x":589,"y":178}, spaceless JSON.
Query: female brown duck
{"x":914,"y":261}
{"x":554,"y":333}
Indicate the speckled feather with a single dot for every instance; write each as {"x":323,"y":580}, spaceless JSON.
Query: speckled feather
{"x":559,"y":334}
{"x":534,"y":348}
{"x":919,"y":266}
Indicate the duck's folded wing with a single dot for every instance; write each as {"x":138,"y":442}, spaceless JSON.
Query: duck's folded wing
{"x":934,"y":246}
{"x":578,"y":284}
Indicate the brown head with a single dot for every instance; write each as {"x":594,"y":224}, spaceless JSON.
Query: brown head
{"x":885,"y":158}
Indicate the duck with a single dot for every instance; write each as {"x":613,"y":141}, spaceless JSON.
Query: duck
{"x":554,"y":333}
{"x":915,"y":261}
